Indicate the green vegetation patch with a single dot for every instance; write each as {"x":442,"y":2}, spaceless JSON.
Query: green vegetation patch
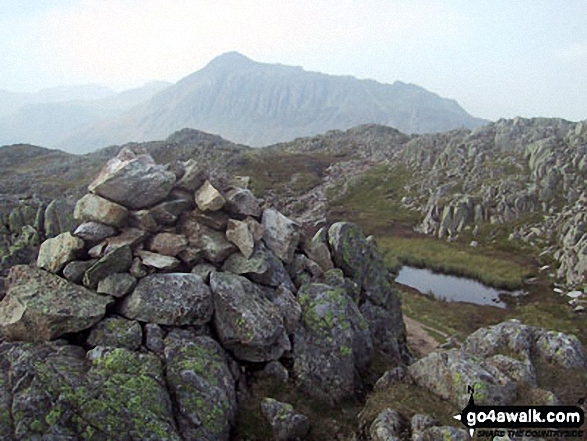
{"x":374,"y":201}
{"x":283,"y":173}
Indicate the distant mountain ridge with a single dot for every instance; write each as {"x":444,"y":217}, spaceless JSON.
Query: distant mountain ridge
{"x":260,"y":104}
{"x":50,"y":115}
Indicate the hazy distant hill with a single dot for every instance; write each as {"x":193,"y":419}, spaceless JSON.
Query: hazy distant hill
{"x":259,"y":104}
{"x":50,"y":115}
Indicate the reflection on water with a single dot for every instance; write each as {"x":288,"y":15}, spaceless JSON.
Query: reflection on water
{"x":452,"y":288}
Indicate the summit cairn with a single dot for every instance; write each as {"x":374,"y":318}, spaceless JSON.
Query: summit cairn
{"x":175,"y":285}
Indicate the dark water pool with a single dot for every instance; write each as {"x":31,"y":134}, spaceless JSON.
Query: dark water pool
{"x":452,"y":288}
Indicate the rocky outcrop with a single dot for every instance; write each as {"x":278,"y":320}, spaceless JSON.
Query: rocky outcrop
{"x":496,"y":361}
{"x":165,"y":306}
{"x":286,"y":424}
{"x":40,"y":306}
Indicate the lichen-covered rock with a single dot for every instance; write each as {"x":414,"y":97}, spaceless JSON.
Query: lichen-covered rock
{"x":421,"y":422}
{"x":247,"y":323}
{"x":286,"y":424}
{"x":202,"y":386}
{"x":94,"y":231}
{"x":93,"y":208}
{"x":379,"y":299}
{"x":282,"y":235}
{"x":333,"y":343}
{"x":40,"y":306}
{"x":154,"y":336}
{"x":209,"y":198}
{"x":134,"y":181}
{"x":117,"y":332}
{"x":509,"y":337}
{"x":522,"y":372}
{"x":117,"y":285}
{"x":238,"y":233}
{"x":169,"y":299}
{"x":262,"y":267}
{"x":562,"y":349}
{"x":118,"y":261}
{"x":448,"y":374}
{"x":143,"y":220}
{"x":204,"y":270}
{"x":57,"y":252}
{"x":387,"y":426}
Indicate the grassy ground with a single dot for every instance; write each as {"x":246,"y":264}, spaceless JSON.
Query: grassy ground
{"x":373,"y":202}
{"x":490,"y":267}
{"x":283,"y":172}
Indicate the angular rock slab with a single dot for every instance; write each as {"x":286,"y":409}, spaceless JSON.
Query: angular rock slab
{"x":239,"y":234}
{"x":57,"y":252}
{"x":208,"y":198}
{"x":247,"y":323}
{"x":447,"y":374}
{"x":282,"y":235}
{"x":93,"y":208}
{"x":118,"y":261}
{"x":40,"y":306}
{"x":94,"y":231}
{"x":211,"y":244}
{"x":200,"y":381}
{"x":333,"y":343}
{"x":262,"y":267}
{"x":134,"y":181}
{"x":175,"y":299}
{"x":284,"y":421}
{"x":242,"y":201}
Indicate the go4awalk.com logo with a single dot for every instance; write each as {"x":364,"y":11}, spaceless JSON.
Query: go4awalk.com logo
{"x":536,"y":421}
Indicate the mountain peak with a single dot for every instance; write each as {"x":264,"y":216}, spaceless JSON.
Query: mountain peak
{"x":230,"y":60}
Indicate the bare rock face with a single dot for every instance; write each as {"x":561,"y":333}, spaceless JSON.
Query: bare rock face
{"x":134,"y":181}
{"x":176,"y":299}
{"x":40,"y":306}
{"x":57,"y":252}
{"x":248,"y":324}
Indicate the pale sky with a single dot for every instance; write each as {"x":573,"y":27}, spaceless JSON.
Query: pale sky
{"x":497,"y":58}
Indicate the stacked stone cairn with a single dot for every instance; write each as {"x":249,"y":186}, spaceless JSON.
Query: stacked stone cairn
{"x":142,"y":322}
